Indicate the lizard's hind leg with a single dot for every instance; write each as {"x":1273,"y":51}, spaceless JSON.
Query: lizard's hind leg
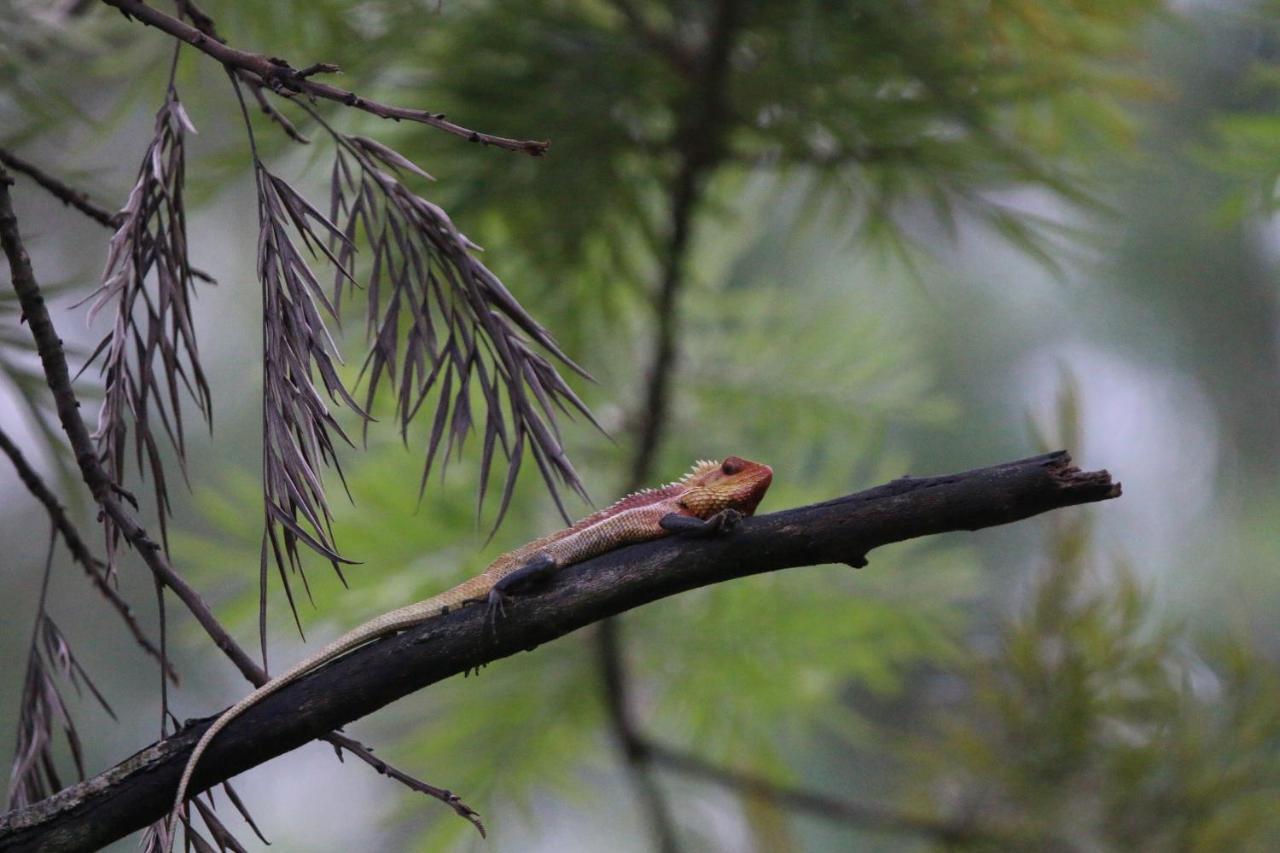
{"x":537,"y":568}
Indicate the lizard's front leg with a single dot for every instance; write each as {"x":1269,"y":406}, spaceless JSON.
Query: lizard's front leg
{"x":722,"y":522}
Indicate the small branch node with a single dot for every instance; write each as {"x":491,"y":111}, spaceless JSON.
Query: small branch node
{"x":317,"y":68}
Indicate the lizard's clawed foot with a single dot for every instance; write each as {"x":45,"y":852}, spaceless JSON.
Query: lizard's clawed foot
{"x":536,"y":569}
{"x":725,"y":520}
{"x":495,"y":606}
{"x":722,"y":522}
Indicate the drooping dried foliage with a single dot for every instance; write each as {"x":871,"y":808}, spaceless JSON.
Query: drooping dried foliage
{"x":298,"y":428}
{"x":43,"y":710}
{"x":446,"y":333}
{"x":155,"y":839}
{"x":442,"y":327}
{"x":149,"y":359}
{"x":438,"y":319}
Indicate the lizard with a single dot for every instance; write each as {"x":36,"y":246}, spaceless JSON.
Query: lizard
{"x":710,"y":499}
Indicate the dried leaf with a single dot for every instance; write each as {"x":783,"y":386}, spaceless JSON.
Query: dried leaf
{"x":149,"y":359}
{"x":34,"y":774}
{"x":461,"y":321}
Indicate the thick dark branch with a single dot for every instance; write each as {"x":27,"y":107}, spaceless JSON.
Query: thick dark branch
{"x":137,"y":791}
{"x":280,"y":76}
{"x":93,"y":567}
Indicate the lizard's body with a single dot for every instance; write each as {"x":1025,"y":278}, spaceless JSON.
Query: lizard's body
{"x":709,"y":498}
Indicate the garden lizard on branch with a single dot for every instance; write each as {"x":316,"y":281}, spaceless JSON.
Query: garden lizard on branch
{"x":710,"y":499}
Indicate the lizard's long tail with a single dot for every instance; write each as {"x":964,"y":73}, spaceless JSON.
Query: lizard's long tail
{"x":387,"y":623}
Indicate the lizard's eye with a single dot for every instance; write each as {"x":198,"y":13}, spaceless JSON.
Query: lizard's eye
{"x":731,"y":466}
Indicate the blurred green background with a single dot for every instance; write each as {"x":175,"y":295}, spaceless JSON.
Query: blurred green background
{"x":924,"y":237}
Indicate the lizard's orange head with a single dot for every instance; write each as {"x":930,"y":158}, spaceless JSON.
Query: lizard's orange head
{"x":734,"y":483}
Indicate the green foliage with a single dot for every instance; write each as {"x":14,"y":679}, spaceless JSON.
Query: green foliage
{"x":890,"y":102}
{"x":793,"y":642}
{"x":1096,"y":723}
{"x":1244,"y":146}
{"x":1093,"y":721}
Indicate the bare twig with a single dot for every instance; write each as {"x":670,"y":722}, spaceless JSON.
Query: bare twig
{"x":843,"y":530}
{"x":868,"y":816}
{"x":444,"y":795}
{"x":77,"y":199}
{"x":149,"y":355}
{"x":281,"y":77}
{"x":66,"y":194}
{"x":54,"y":362}
{"x":80,"y":552}
{"x":269,"y":109}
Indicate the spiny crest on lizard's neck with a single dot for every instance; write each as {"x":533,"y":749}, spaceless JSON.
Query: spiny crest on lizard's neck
{"x":708,"y":487}
{"x":645,"y":496}
{"x":700,"y":469}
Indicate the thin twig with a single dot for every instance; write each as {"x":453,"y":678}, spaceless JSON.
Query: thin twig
{"x":66,"y":194}
{"x":54,"y":362}
{"x":873,"y":817}
{"x":79,"y":199}
{"x":282,"y":78}
{"x":444,"y":795}
{"x":80,"y":553}
{"x":268,"y":108}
